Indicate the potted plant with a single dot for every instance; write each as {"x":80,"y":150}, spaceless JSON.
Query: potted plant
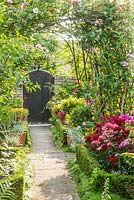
{"x":19,"y":130}
{"x":74,"y":136}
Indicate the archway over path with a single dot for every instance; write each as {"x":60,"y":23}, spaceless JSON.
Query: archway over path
{"x":36,"y":101}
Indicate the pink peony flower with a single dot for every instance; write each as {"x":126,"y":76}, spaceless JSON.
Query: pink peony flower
{"x":36,"y":10}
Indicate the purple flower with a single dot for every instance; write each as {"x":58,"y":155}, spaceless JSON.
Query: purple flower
{"x":124,"y":143}
{"x":126,"y":117}
{"x":90,"y":102}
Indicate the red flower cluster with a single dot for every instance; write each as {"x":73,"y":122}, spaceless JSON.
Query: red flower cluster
{"x":113,"y":160}
{"x":61,"y":116}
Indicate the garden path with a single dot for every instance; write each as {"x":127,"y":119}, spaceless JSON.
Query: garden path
{"x":51,"y":177}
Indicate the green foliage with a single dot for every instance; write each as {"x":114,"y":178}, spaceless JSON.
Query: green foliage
{"x":84,"y":184}
{"x":67,"y":105}
{"x":103,"y":41}
{"x":12,"y":179}
{"x":85,"y":113}
{"x":86,"y":162}
{"x":126,"y":163}
{"x":118,"y":183}
{"x":59,"y":133}
{"x":6,"y":191}
{"x":122,"y":185}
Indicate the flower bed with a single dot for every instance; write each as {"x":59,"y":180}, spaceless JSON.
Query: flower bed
{"x":112,"y":137}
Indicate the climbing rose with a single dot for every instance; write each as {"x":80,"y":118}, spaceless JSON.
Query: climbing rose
{"x":75,"y":1}
{"x":36,"y":10}
{"x":9,"y":1}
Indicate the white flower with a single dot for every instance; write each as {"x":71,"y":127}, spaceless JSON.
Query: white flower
{"x":41,"y":25}
{"x":36,"y":10}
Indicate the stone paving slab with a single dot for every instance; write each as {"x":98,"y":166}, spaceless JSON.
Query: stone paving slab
{"x":51,"y":177}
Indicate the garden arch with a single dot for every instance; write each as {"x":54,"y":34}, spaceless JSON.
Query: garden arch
{"x":36,"y":101}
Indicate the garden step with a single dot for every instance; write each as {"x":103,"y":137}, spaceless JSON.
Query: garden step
{"x":51,"y":177}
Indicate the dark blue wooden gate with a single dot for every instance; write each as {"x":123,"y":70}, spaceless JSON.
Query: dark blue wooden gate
{"x":36,"y":101}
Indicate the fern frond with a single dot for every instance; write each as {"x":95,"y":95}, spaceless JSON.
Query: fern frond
{"x":6,"y":192}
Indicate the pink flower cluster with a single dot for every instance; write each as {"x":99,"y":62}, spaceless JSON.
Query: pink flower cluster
{"x":111,"y":137}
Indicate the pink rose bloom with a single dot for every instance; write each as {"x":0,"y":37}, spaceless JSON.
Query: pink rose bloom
{"x":9,"y":1}
{"x":36,"y":10}
{"x":84,"y":124}
{"x":76,"y":81}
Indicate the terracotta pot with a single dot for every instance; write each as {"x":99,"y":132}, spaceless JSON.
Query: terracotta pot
{"x":22,"y":139}
{"x":69,"y":140}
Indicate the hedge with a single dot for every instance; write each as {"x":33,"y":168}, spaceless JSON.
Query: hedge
{"x":121,"y":184}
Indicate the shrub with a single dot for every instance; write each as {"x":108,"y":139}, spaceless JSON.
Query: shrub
{"x":86,"y":162}
{"x":118,"y":183}
{"x":110,"y":138}
{"x":59,"y":133}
